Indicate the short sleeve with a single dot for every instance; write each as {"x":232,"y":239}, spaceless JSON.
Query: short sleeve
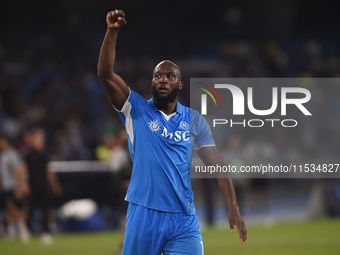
{"x":130,"y":106}
{"x":125,"y":104}
{"x":130,"y":111}
{"x":201,"y":131}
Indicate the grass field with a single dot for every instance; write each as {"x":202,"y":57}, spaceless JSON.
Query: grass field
{"x":316,"y":237}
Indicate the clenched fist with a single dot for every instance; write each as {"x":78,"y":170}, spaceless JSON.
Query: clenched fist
{"x":115,"y":19}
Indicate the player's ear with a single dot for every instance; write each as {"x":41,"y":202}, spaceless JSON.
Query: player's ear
{"x":180,"y":85}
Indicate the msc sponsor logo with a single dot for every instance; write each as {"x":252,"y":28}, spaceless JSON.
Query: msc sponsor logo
{"x":177,"y":136}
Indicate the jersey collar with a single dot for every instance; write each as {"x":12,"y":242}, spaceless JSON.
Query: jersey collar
{"x":155,"y":109}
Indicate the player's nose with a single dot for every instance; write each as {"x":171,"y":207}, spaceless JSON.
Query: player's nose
{"x":164,"y":79}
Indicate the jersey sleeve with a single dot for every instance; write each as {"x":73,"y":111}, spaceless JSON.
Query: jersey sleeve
{"x":130,"y":111}
{"x":201,"y":131}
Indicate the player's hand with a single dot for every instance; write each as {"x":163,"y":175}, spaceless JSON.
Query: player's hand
{"x":22,"y":191}
{"x":115,"y":19}
{"x":234,"y":218}
{"x":26,"y":190}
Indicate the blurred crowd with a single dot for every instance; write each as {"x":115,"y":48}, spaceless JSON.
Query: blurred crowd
{"x":55,"y":87}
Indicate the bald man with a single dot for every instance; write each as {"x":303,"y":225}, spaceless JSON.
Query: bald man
{"x":161,"y":133}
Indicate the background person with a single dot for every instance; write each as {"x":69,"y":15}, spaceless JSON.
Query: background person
{"x":14,"y":187}
{"x":121,"y":166}
{"x":40,"y":176}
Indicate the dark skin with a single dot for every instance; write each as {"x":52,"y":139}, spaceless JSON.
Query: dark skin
{"x":211,"y":157}
{"x":166,"y":77}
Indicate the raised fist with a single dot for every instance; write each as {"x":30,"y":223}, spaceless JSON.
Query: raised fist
{"x":115,"y":19}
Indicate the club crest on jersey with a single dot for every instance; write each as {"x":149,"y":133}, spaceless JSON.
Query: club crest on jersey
{"x":184,"y":125}
{"x":154,"y":125}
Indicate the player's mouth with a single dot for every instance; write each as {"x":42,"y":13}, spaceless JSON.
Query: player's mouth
{"x":163,"y":90}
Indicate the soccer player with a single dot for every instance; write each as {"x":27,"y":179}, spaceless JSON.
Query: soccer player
{"x":14,"y":187}
{"x":161,"y":133}
{"x":40,"y":176}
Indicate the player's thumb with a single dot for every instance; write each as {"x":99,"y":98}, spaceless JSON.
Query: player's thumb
{"x":232,"y":226}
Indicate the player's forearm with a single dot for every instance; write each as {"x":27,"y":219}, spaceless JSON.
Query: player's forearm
{"x":226,"y":187}
{"x":54,"y":182}
{"x":20,"y":174}
{"x":210,"y":157}
{"x":107,"y":54}
{"x":52,"y":178}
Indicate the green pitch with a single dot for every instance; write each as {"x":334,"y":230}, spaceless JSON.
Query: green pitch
{"x":316,"y":237}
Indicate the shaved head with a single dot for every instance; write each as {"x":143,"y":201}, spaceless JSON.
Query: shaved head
{"x":168,"y":62}
{"x":166,"y":83}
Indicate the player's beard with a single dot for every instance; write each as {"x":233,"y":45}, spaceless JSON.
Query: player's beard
{"x":164,"y":100}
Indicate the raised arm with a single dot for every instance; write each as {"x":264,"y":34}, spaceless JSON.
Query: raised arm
{"x":211,"y":157}
{"x":115,"y":87}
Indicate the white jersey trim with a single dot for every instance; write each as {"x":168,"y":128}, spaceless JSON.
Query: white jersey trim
{"x":167,"y":117}
{"x":125,"y":104}
{"x":207,"y":145}
{"x":126,"y":110}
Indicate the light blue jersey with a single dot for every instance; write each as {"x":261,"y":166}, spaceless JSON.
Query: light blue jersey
{"x":161,"y":150}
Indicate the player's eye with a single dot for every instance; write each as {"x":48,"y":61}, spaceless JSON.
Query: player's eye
{"x":170,"y":76}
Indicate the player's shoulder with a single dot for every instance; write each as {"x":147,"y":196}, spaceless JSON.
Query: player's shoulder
{"x":134,"y":96}
{"x":134,"y":101}
{"x":189,"y":111}
{"x":194,"y":113}
{"x":13,"y":152}
{"x":197,"y":121}
{"x":195,"y":117}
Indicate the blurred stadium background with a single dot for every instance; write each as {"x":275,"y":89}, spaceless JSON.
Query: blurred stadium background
{"x":48,"y":58}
